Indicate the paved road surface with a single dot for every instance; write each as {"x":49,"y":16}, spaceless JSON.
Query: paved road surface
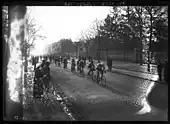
{"x":125,"y":101}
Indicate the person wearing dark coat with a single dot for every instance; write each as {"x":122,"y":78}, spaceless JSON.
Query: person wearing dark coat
{"x":34,"y":62}
{"x":78,"y":65}
{"x":159,"y":69}
{"x":109,"y":64}
{"x":38,"y":83}
{"x":46,"y":75}
{"x":65,"y":63}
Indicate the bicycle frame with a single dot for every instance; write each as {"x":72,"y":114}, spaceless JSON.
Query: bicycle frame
{"x":101,"y":77}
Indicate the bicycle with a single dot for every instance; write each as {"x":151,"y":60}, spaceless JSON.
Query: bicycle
{"x":92,"y":75}
{"x":102,"y":79}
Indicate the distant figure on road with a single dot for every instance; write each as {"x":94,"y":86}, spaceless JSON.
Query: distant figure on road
{"x":109,"y":64}
{"x":78,"y":65}
{"x":73,"y":64}
{"x":89,"y":58}
{"x":65,"y":63}
{"x":159,"y":69}
{"x":34,"y":62}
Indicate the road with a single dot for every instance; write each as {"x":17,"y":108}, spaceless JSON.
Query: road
{"x":124,"y":100}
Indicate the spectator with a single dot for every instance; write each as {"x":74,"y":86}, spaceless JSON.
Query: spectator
{"x":33,"y":62}
{"x":89,"y":58}
{"x":159,"y":69}
{"x":110,"y":64}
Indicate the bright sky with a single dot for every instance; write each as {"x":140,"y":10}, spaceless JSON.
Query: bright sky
{"x":65,"y":22}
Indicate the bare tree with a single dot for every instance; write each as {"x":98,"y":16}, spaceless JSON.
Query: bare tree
{"x":32,"y":31}
{"x":32,"y":35}
{"x":97,"y":33}
{"x":86,"y":37}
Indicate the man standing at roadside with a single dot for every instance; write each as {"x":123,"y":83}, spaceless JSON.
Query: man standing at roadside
{"x":109,"y":64}
{"x":159,"y":69}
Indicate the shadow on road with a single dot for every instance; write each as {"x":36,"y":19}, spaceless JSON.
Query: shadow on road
{"x":158,"y":97}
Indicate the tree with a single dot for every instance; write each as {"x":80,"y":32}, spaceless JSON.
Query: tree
{"x":32,"y":35}
{"x":65,"y":46}
{"x":86,"y":38}
{"x":5,"y":22}
{"x":13,"y":85}
{"x":152,"y":15}
{"x":97,"y":24}
{"x":160,"y":32}
{"x":32,"y":30}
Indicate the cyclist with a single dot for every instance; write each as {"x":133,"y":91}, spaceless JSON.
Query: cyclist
{"x":65,"y":63}
{"x":73,"y":64}
{"x":81,"y":63}
{"x":78,"y":65}
{"x":100,"y":71}
{"x":91,"y":67}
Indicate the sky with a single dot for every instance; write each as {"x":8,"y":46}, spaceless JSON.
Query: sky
{"x":65,"y":22}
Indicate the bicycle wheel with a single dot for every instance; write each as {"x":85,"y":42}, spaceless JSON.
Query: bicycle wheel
{"x":94,"y":78}
{"x":104,"y":80}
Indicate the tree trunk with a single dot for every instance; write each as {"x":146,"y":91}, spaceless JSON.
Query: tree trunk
{"x":150,"y":40}
{"x":14,"y":109}
{"x":141,"y":49}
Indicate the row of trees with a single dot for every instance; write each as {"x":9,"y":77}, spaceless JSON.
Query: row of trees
{"x":129,"y":27}
{"x":125,"y":28}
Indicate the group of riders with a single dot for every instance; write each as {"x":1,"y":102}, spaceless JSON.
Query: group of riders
{"x":81,"y":64}
{"x":42,"y":72}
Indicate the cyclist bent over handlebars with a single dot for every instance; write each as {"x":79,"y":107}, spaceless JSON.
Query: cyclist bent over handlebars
{"x":91,"y":67}
{"x":100,"y":71}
